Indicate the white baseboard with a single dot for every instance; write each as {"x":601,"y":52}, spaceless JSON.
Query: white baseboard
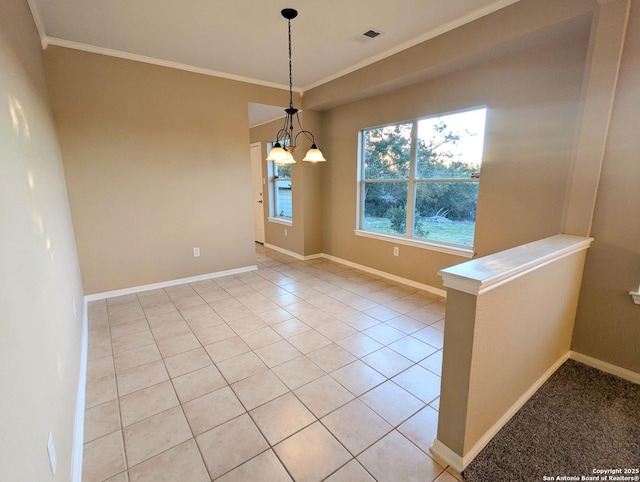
{"x":293,"y":254}
{"x":285,"y":251}
{"x":389,"y":276}
{"x":606,"y":367}
{"x":167,"y":284}
{"x":446,"y":457}
{"x":459,"y":463}
{"x":78,"y":430}
{"x":366,"y":269}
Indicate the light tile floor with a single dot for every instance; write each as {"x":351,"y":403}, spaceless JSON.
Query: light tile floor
{"x":300,"y":370}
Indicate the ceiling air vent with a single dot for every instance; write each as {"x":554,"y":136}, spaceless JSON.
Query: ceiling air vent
{"x":368,"y":35}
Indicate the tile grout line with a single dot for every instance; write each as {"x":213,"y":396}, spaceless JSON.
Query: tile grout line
{"x":193,"y":436}
{"x":115,"y":380}
{"x":316,"y":307}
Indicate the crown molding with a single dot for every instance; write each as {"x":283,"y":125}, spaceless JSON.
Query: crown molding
{"x":37,"y":19}
{"x":58,"y":42}
{"x":49,"y":40}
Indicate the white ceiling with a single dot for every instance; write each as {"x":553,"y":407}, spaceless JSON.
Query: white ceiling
{"x":247,"y":39}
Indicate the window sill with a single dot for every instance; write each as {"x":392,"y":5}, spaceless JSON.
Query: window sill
{"x":286,"y":222}
{"x":430,"y":245}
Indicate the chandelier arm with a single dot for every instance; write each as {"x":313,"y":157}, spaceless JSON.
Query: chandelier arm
{"x":285,"y":132}
{"x":280,"y":135}
{"x":309,"y":135}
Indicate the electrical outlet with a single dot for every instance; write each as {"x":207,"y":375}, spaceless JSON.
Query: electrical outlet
{"x":285,"y":232}
{"x":53,"y":458}
{"x":75,"y":311}
{"x":396,"y":251}
{"x":196,"y":252}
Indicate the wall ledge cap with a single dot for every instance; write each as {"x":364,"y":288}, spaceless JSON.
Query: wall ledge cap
{"x":483,"y":274}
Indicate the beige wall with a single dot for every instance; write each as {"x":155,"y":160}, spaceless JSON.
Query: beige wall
{"x":608,"y":322}
{"x":522,"y":329}
{"x":456,"y":368}
{"x":499,"y":344}
{"x":157,"y":162}
{"x":274,"y":233}
{"x":39,"y":275}
{"x":532,"y":97}
{"x":486,"y":38}
{"x":313,"y":187}
{"x":304,"y":235}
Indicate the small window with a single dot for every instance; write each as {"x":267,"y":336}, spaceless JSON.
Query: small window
{"x":280,"y":189}
{"x":419,"y":179}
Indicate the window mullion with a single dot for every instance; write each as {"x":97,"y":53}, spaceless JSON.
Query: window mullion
{"x":411,"y":192}
{"x":361,"y":182}
{"x":446,"y":179}
{"x":276,"y":197}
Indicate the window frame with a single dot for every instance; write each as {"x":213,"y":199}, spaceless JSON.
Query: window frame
{"x":274,"y":198}
{"x":412,"y":183}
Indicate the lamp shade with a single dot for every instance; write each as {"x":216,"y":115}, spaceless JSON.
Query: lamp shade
{"x":314,"y":155}
{"x":280,"y":155}
{"x":288,"y":159}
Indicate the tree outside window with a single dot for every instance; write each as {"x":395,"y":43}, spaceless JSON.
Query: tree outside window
{"x":419,"y":179}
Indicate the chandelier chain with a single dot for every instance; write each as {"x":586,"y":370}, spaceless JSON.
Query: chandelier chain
{"x":290,"y":70}
{"x":283,"y":153}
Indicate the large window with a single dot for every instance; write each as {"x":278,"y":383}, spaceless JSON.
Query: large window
{"x":419,"y":179}
{"x":280,"y":192}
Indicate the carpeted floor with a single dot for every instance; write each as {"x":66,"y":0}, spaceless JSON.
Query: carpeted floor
{"x":579,"y":421}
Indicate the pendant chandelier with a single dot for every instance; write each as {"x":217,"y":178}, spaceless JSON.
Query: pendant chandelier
{"x":285,"y":143}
